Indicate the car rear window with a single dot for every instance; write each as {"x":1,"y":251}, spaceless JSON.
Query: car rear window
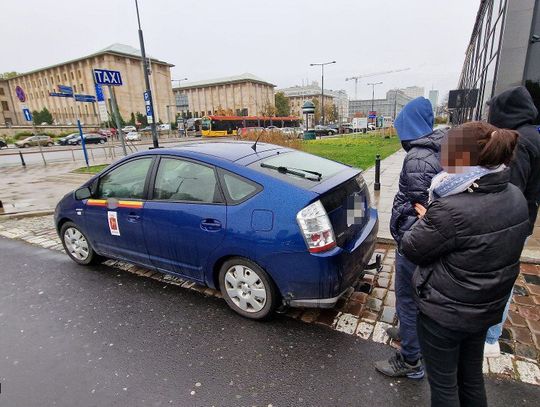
{"x":298,"y":162}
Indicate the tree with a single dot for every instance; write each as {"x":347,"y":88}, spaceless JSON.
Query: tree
{"x":132,"y":119}
{"x":268,"y":110}
{"x":283,"y":107}
{"x":44,"y":116}
{"x":8,"y":75}
{"x":141,"y":118}
{"x":317,"y":115}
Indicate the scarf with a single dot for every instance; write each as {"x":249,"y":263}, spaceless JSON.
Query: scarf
{"x":445,"y":184}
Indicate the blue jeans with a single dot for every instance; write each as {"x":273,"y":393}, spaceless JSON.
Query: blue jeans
{"x":495,"y":332}
{"x":406,"y":307}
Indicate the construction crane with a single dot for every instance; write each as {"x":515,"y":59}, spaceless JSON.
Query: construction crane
{"x":358,"y":77}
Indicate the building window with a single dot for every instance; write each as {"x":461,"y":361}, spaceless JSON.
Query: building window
{"x":71,"y":74}
{"x":5,"y":106}
{"x":75,"y":88}
{"x":82,"y":87}
{"x":65,"y":76}
{"x":52,"y":80}
{"x":79,"y":73}
{"x":2,"y":93}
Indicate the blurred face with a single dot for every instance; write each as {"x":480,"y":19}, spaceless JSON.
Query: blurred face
{"x":457,"y":152}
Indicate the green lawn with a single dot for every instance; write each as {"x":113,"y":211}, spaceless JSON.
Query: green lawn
{"x":356,"y":150}
{"x":93,"y":169}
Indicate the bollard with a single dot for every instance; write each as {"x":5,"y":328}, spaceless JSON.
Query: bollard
{"x":1,"y":205}
{"x":22,"y":159}
{"x":377,"y":184}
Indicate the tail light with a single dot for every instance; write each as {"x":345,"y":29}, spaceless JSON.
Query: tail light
{"x":316,"y":228}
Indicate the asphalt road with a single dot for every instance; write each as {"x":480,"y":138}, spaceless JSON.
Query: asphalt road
{"x":75,"y":336}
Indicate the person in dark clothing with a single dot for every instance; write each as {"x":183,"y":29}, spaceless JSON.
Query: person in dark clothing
{"x":414,"y":126}
{"x":514,"y":109}
{"x":467,"y":245}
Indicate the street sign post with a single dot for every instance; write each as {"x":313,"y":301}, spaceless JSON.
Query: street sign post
{"x":84,"y":98}
{"x":68,"y":90}
{"x":149,"y":112}
{"x":27,"y":114}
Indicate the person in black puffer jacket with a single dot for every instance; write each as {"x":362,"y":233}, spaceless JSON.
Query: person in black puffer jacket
{"x":467,"y":246}
{"x":514,"y":109}
{"x":414,"y":126}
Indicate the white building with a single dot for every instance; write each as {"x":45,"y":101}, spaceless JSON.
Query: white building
{"x":414,"y":91}
{"x":434,"y":99}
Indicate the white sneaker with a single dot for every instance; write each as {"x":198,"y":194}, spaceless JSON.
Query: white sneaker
{"x":492,"y":350}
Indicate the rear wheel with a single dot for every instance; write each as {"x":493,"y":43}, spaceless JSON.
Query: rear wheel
{"x":101,"y":141}
{"x":26,"y":145}
{"x":49,"y":144}
{"x":247,"y":289}
{"x":77,"y":245}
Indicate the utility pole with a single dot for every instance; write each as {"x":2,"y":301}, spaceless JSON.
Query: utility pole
{"x":322,"y":86}
{"x":373,"y":84}
{"x":147,"y":81}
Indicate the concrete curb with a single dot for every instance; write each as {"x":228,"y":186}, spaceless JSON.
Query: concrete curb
{"x":21,"y":215}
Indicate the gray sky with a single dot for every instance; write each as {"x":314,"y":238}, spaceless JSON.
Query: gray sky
{"x":275,"y":40}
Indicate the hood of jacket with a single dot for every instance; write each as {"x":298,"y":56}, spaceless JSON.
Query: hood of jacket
{"x":432,"y":141}
{"x":512,"y":109}
{"x":415,"y":120}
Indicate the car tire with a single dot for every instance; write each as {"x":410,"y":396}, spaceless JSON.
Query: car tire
{"x":238,"y":279}
{"x":26,"y":145}
{"x":50,"y":144}
{"x":101,"y":141}
{"x":77,"y":245}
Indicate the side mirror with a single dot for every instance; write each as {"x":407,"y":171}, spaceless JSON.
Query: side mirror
{"x":83,"y":193}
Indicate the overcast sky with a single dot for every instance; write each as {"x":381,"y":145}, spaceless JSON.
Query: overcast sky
{"x":275,"y":40}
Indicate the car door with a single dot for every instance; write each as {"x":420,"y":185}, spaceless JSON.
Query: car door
{"x":185,"y":216}
{"x":114,"y":215}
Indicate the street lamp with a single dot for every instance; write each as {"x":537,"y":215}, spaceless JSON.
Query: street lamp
{"x":322,"y":64}
{"x":373,"y":84}
{"x":147,"y":82}
{"x":179,"y":80}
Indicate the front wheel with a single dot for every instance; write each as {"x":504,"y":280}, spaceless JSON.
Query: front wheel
{"x":76,"y":245}
{"x":247,"y":289}
{"x":101,"y":141}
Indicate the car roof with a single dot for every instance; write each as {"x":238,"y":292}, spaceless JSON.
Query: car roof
{"x":228,"y":150}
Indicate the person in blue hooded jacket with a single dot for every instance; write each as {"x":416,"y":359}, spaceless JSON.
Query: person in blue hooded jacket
{"x":414,"y":126}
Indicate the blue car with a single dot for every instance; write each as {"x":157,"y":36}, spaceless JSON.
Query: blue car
{"x":269,"y":226}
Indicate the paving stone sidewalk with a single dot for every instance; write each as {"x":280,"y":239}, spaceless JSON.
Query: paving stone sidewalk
{"x":367,"y":312}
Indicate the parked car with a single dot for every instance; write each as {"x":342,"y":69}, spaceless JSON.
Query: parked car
{"x":291,"y":132}
{"x":108,"y":132}
{"x":3,"y":144}
{"x":127,"y":129}
{"x":133,"y":136}
{"x":63,"y":141}
{"x":346,"y":128}
{"x":371,"y":127}
{"x":324,"y":131}
{"x":163,"y":127}
{"x":147,"y":128}
{"x":276,"y":228}
{"x":90,"y":138}
{"x":37,"y":140}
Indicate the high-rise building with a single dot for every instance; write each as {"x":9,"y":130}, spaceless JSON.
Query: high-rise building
{"x":414,"y":91}
{"x":434,"y":99}
{"x":504,"y":51}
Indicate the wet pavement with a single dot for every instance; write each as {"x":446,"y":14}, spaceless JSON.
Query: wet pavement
{"x":96,"y":336}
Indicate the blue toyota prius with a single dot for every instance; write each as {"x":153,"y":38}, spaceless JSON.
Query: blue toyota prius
{"x":269,"y":226}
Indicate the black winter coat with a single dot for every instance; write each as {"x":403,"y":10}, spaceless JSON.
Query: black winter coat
{"x":514,"y":109}
{"x":467,"y":247}
{"x":420,"y":165}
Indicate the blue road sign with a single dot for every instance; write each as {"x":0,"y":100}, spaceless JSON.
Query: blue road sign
{"x":85,"y":98}
{"x":147,"y":97}
{"x":372,"y":116}
{"x":149,"y":111}
{"x":99,"y":93}
{"x":27,"y":114}
{"x":107,"y":77}
{"x":61,"y":95}
{"x":65,"y":89}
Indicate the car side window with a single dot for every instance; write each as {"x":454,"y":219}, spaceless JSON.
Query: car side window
{"x":126,"y":181}
{"x":181,"y":180}
{"x":239,"y":188}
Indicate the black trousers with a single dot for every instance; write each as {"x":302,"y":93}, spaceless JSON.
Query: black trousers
{"x":453,"y":361}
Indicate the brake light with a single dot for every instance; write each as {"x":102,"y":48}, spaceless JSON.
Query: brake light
{"x":316,"y":228}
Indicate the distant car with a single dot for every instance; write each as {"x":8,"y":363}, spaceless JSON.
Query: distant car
{"x":147,"y":128}
{"x":371,"y":126}
{"x":133,"y":136}
{"x":32,"y":141}
{"x":164,"y":127}
{"x":107,"y":132}
{"x":269,"y":229}
{"x":127,"y":129}
{"x":90,"y":138}
{"x":324,"y":131}
{"x":292,"y":132}
{"x":63,"y":141}
{"x":3,"y":144}
{"x":346,"y":128}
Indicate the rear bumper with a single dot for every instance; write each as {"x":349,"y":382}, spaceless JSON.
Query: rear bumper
{"x":318,"y":302}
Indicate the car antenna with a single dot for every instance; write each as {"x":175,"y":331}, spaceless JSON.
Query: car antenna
{"x":254,"y":146}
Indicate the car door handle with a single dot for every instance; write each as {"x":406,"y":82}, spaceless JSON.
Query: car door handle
{"x":133,"y":218}
{"x":211,"y":225}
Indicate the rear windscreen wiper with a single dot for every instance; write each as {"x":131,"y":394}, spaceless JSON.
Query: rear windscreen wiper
{"x":293,"y":171}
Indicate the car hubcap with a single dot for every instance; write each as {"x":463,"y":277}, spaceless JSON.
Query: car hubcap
{"x":76,"y":244}
{"x":245,"y":288}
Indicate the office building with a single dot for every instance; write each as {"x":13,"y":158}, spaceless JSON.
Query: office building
{"x":414,"y":92}
{"x":297,"y":95}
{"x":242,"y":95}
{"x":388,"y":107}
{"x":434,"y":99}
{"x":504,"y":51}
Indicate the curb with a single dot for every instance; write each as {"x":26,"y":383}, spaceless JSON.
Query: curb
{"x":21,"y":215}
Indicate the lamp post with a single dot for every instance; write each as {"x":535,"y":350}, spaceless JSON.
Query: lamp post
{"x":147,"y":81}
{"x":373,"y":84}
{"x":322,"y":64}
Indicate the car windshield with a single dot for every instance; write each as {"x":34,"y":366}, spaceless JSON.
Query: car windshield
{"x":299,"y":166}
